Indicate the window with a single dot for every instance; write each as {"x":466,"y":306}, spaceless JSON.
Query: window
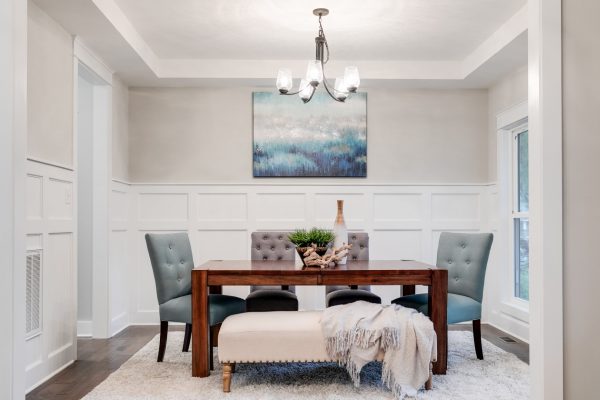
{"x":520,"y":212}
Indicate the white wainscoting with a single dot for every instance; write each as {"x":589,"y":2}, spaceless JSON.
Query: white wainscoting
{"x":403,"y":221}
{"x":51,"y":228}
{"x":120,"y":277}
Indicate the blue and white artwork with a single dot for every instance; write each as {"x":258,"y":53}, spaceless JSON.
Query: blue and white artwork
{"x":322,"y":138}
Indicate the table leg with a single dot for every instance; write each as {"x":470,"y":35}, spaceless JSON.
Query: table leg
{"x":438,"y":312}
{"x":200,"y":335}
{"x":408,"y":290}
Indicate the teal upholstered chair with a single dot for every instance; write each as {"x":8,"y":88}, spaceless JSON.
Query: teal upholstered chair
{"x":465,"y":256}
{"x":172,"y":264}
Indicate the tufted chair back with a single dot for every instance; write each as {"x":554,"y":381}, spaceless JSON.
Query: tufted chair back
{"x":359,"y":252}
{"x":272,"y":246}
{"x":172,"y":264}
{"x":465,"y":256}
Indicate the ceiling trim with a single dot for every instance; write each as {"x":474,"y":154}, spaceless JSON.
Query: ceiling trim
{"x":164,"y":68}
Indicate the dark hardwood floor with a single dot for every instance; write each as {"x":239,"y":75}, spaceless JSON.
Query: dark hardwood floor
{"x":98,"y":358}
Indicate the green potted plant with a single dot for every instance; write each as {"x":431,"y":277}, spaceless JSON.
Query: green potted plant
{"x":303,"y":239}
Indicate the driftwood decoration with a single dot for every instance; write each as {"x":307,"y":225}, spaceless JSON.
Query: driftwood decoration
{"x":329,"y":260}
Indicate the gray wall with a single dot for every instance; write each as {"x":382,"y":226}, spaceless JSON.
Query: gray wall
{"x":504,"y":94}
{"x":49,"y":89}
{"x":120,"y":129}
{"x":581,"y":145}
{"x":205,"y":135}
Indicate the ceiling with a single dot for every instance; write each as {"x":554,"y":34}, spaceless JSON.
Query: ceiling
{"x":432,"y":43}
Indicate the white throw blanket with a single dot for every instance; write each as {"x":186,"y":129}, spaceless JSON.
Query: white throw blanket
{"x":356,"y":332}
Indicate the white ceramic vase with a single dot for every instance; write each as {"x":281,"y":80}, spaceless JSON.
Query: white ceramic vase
{"x":339,"y":229}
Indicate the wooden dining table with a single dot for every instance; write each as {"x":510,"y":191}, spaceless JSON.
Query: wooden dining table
{"x":211,"y":276}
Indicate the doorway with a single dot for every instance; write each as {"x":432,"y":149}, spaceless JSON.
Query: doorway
{"x":93,"y":127}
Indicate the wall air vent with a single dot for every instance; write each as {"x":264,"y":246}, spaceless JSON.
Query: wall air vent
{"x":33,"y":293}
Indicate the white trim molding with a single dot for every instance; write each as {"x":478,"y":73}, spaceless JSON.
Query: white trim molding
{"x":545,"y":179}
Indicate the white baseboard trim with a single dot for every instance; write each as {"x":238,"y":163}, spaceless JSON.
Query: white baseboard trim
{"x":510,"y":325}
{"x":41,"y":381}
{"x":84,"y":328}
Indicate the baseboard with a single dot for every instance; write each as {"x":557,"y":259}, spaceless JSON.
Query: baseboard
{"x":510,"y":325}
{"x":49,"y":376}
{"x":84,"y":328}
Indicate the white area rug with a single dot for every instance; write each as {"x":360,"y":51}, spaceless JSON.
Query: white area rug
{"x":500,"y":376}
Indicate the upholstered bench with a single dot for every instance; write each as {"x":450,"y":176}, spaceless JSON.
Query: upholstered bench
{"x":277,"y":336}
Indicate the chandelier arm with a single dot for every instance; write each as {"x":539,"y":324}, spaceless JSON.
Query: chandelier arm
{"x":329,"y":91}
{"x":295,"y":93}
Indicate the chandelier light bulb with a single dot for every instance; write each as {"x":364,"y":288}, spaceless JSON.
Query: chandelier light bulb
{"x":352,"y":79}
{"x":341,"y":90}
{"x":306,"y":90}
{"x":314,"y":72}
{"x":284,"y":80}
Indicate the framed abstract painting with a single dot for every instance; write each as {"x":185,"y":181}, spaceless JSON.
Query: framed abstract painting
{"x":322,"y":138}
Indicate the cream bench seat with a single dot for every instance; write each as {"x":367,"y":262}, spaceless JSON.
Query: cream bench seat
{"x":275,"y":336}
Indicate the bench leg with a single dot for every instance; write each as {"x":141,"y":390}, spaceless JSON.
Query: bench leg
{"x":429,"y":383}
{"x":227,"y":369}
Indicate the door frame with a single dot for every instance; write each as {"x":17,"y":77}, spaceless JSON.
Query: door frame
{"x":83,"y":58}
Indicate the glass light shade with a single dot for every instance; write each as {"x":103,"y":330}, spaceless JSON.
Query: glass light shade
{"x":306,"y":90}
{"x":341,"y":90}
{"x":284,"y":80}
{"x":314,"y":73}
{"x":352,"y":79}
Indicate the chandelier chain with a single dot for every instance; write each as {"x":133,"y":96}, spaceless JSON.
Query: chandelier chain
{"x":322,"y":33}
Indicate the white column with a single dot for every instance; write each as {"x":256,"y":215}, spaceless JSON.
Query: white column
{"x":545,"y":180}
{"x":13,"y":141}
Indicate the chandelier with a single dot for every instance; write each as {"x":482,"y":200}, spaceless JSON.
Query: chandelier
{"x":315,"y":74}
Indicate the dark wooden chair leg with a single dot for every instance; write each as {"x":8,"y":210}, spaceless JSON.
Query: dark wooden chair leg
{"x":477,"y":338}
{"x":210,"y":348}
{"x":164,"y":330}
{"x":187,"y":338}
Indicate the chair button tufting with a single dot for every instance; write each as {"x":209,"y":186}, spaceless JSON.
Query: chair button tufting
{"x":449,"y":261}
{"x":354,"y":257}
{"x":468,"y":262}
{"x":287,"y":247}
{"x":280,"y":237}
{"x":264,"y":257}
{"x":280,"y":258}
{"x":273,"y":248}
{"x":353,"y":237}
{"x":463,"y":245}
{"x":257,"y":247}
{"x":265,"y":237}
{"x":362,"y":247}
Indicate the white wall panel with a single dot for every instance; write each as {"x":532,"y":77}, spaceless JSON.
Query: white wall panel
{"x":396,"y":245}
{"x":59,"y":201}
{"x":455,"y":207}
{"x":34,"y":208}
{"x":222,"y":207}
{"x":395,"y":209}
{"x":163,"y":206}
{"x":403,"y":221}
{"x":50,"y":228}
{"x":280,"y":210}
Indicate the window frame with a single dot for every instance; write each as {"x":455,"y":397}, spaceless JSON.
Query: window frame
{"x":515,"y":215}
